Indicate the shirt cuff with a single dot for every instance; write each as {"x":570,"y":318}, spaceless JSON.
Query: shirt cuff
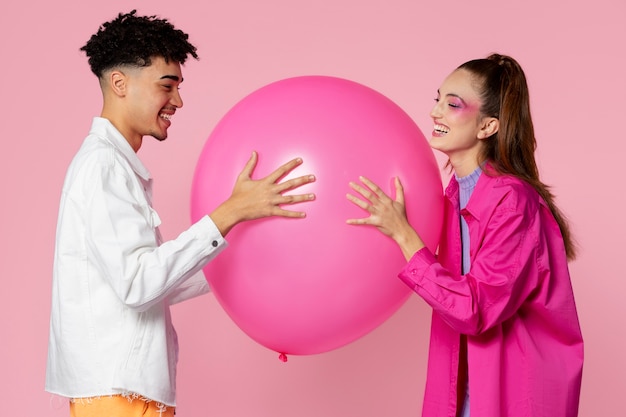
{"x":413,"y":272}
{"x":206,"y":228}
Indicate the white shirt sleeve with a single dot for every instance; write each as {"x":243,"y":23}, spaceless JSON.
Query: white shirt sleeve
{"x":123,"y":240}
{"x":194,"y":286}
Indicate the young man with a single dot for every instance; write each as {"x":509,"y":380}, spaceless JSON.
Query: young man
{"x":112,"y":347}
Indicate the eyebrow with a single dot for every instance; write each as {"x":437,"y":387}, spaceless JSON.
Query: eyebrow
{"x":173,"y":77}
{"x":451,"y":95}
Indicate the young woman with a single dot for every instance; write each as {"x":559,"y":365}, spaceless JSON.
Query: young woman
{"x":505,"y":337}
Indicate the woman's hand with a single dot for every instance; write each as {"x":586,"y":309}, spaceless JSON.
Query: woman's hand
{"x":386,"y":214}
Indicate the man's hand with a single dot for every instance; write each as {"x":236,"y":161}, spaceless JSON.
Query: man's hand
{"x":255,"y":199}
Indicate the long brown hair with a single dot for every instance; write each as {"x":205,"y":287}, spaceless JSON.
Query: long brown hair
{"x":504,"y":92}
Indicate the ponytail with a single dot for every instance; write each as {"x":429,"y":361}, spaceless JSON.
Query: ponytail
{"x":504,"y":93}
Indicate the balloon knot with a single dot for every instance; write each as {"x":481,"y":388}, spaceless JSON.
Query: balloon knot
{"x":282,"y":357}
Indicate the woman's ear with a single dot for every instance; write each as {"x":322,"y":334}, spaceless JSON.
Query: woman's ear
{"x":489,"y":127}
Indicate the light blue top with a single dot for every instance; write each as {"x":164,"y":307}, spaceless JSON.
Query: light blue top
{"x":466,"y":188}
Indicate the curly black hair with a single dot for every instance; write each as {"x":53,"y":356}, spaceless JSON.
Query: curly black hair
{"x":133,"y":40}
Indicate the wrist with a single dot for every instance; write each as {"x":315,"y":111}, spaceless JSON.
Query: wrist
{"x":224,"y":218}
{"x":410,"y":243}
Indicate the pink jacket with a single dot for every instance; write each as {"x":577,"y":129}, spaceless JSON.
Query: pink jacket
{"x":516,"y":306}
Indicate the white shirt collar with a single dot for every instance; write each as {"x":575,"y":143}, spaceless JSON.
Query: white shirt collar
{"x":102,"y":127}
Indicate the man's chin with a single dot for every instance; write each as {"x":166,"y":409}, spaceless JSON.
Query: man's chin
{"x":158,"y":136}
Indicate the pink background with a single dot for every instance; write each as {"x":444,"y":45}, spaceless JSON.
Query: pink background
{"x":573,"y":54}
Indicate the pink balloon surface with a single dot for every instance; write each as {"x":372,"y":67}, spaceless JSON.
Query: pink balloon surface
{"x":306,"y":286}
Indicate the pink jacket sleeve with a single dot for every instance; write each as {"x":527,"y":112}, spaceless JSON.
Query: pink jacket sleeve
{"x":505,"y":269}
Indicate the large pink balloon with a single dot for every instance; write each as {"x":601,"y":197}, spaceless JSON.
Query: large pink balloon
{"x":305,"y":286}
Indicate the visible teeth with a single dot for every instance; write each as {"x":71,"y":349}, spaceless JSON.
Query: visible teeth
{"x":165,"y":116}
{"x":441,"y":129}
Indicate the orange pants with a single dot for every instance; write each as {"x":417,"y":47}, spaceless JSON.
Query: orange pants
{"x":118,"y":406}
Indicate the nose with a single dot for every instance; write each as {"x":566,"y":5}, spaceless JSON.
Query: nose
{"x":177,"y":99}
{"x":435,"y":112}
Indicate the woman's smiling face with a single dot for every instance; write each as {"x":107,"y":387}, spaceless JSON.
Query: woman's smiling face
{"x":458,"y":122}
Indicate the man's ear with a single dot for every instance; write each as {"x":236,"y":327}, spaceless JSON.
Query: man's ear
{"x":117,"y":81}
{"x":489,"y":127}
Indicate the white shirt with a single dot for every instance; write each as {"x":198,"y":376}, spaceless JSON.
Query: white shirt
{"x":114,"y":279}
